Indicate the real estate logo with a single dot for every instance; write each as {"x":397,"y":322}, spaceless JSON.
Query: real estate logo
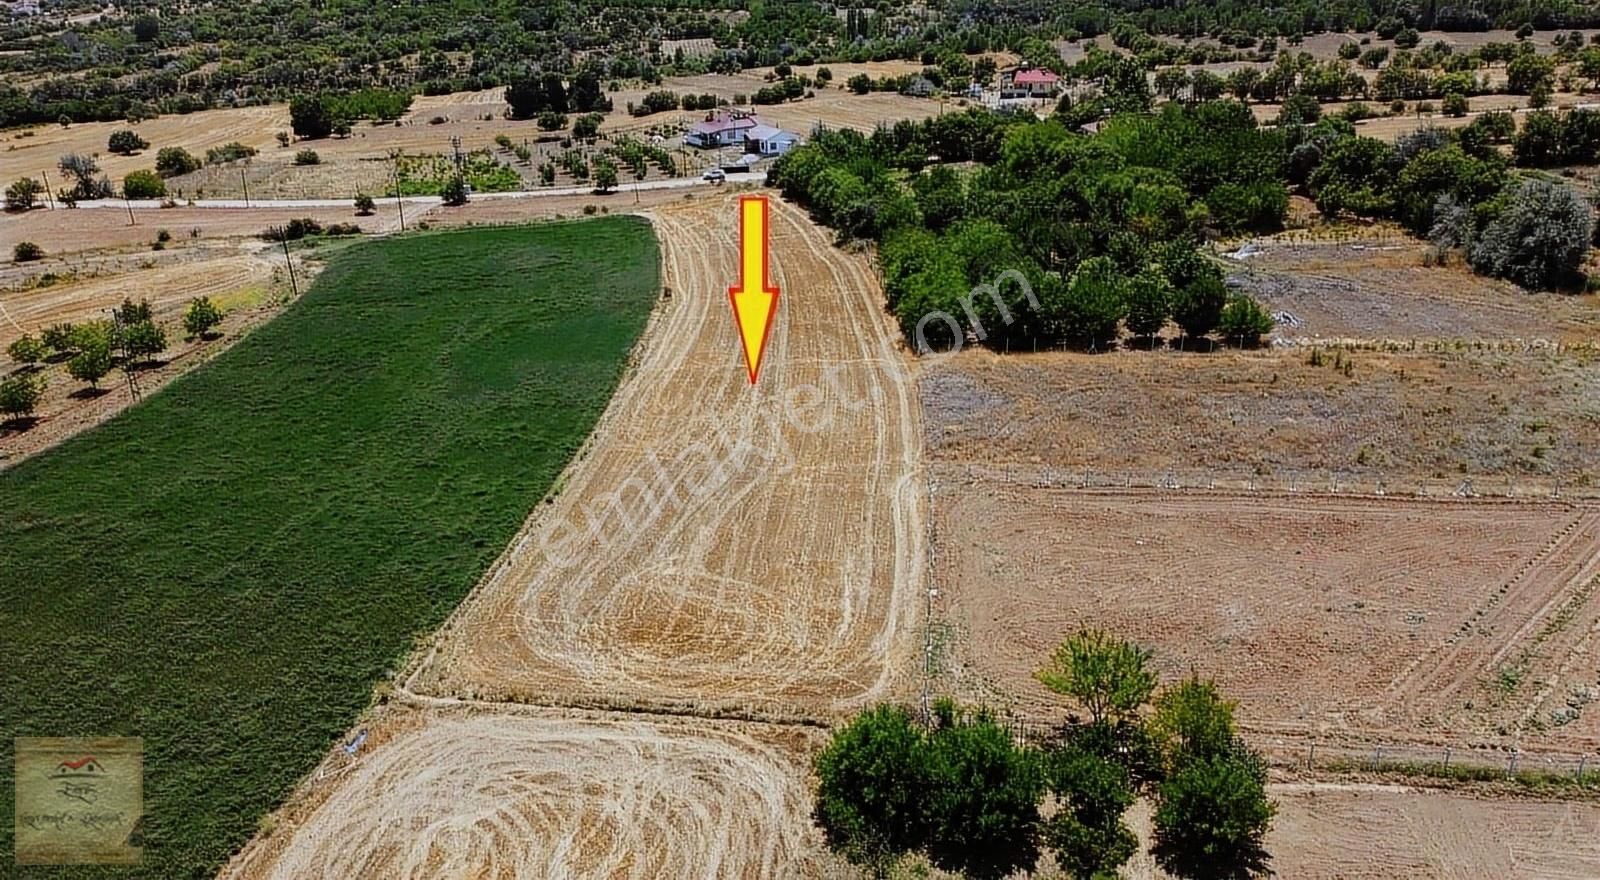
{"x":79,"y":800}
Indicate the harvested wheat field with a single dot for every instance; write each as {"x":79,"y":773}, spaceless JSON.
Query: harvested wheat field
{"x":1464,"y":622}
{"x":722,"y":547}
{"x":502,"y":796}
{"x":167,"y":286}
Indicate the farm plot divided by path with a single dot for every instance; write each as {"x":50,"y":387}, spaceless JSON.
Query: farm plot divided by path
{"x":776,"y":570}
{"x":1327,"y":616}
{"x":749,"y":550}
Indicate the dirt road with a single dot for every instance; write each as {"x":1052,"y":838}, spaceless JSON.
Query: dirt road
{"x":717,"y":549}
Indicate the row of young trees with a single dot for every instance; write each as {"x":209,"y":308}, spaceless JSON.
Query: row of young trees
{"x":91,"y":349}
{"x":961,"y":791}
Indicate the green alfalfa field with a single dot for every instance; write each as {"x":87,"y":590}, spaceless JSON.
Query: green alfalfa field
{"x":229,"y":568}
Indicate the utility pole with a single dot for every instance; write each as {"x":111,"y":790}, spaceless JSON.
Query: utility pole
{"x":294,"y":284}
{"x":399,"y":204}
{"x":245,"y":182}
{"x":48,"y":196}
{"x":129,"y":204}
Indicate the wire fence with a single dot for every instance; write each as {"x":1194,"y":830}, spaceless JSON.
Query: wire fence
{"x":1436,"y":760}
{"x":1370,"y":484}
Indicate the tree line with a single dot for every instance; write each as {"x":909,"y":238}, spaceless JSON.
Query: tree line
{"x":961,"y":791}
{"x":1100,"y":230}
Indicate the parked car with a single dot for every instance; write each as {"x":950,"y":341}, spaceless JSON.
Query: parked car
{"x":715,"y":175}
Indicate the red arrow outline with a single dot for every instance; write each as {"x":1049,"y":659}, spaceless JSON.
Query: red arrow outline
{"x":766,"y":283}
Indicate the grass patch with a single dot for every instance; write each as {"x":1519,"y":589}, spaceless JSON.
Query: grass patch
{"x":227,"y":569}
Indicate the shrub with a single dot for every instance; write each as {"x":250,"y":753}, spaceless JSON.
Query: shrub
{"x":1212,"y":817}
{"x":454,"y":191}
{"x":229,"y":152}
{"x":173,"y":161}
{"x":27,"y":350}
{"x":1244,"y":321}
{"x":365,"y":205}
{"x":294,"y":230}
{"x":59,"y":337}
{"x":1538,"y":239}
{"x":26,"y":252}
{"x":550,"y":120}
{"x":143,"y":185}
{"x":307,"y":157}
{"x":21,"y":195}
{"x":126,"y":142}
{"x":92,"y":362}
{"x":20,"y":394}
{"x":201,"y":316}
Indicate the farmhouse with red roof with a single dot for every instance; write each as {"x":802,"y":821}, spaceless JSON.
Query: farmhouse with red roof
{"x":1032,"y":82}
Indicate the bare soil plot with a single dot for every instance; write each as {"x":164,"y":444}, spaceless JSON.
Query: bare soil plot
{"x":71,"y":231}
{"x":1371,"y":831}
{"x":1374,"y":285}
{"x":502,"y":796}
{"x":723,"y":547}
{"x":1471,"y":622}
{"x":1411,"y":420}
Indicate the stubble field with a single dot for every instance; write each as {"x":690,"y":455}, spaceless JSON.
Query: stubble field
{"x":752,"y":550}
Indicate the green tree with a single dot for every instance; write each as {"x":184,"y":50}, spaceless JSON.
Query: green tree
{"x":365,"y":205}
{"x":1456,"y":105}
{"x":454,"y":191}
{"x":605,"y":174}
{"x":1244,"y":321}
{"x":310,"y":117}
{"x":27,"y":350}
{"x":21,"y":195}
{"x":874,"y":786}
{"x":983,"y":802}
{"x":1212,"y":817}
{"x":1149,"y":295}
{"x":587,"y":126}
{"x":146,"y":28}
{"x":26,"y":252}
{"x":551,"y":120}
{"x":307,"y":157}
{"x":20,"y":394}
{"x":1109,"y":677}
{"x":201,"y":316}
{"x":143,"y":185}
{"x":174,"y":161}
{"x":93,"y":360}
{"x":143,"y":340}
{"x":1087,"y":833}
{"x":1096,"y":302}
{"x":1539,"y":239}
{"x":1193,"y":720}
{"x":126,"y":142}
{"x":940,"y":196}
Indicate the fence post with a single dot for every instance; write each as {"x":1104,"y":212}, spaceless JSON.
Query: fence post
{"x":1582,"y":761}
{"x":1511,"y":766}
{"x":1311,"y":756}
{"x":1447,"y":757}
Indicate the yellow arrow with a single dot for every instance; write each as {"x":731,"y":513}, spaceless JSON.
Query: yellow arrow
{"x":754,"y":298}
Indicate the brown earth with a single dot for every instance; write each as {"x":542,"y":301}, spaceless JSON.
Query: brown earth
{"x":1457,"y":621}
{"x":1371,"y":283}
{"x":1412,"y":420}
{"x":64,"y":234}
